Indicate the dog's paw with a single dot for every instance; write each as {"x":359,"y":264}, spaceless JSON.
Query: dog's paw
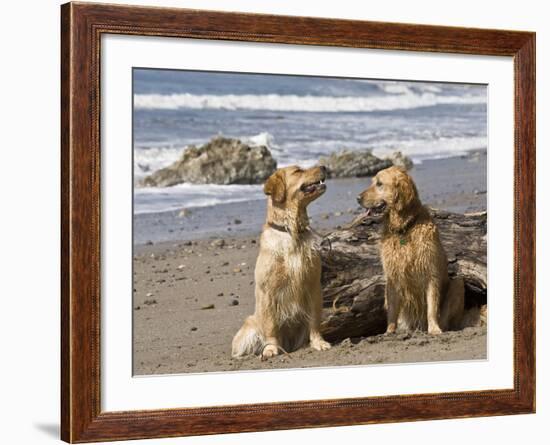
{"x":434,"y":330}
{"x":320,"y":345}
{"x":391,"y":328}
{"x":269,"y":351}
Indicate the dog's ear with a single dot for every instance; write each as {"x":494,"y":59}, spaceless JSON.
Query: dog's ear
{"x":275,"y":187}
{"x":405,"y":192}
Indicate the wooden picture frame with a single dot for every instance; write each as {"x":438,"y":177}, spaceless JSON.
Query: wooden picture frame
{"x":82,"y":26}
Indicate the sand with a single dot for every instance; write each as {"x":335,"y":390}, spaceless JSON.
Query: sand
{"x":192,"y":295}
{"x":189,"y":301}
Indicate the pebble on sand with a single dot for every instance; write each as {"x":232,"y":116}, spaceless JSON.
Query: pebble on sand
{"x":220,"y":242}
{"x":208,"y":306}
{"x":234,"y":303}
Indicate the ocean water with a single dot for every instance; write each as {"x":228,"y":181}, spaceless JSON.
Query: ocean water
{"x":298,"y":118}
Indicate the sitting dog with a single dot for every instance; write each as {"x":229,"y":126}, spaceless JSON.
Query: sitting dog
{"x":419,"y":293}
{"x":288,"y":270}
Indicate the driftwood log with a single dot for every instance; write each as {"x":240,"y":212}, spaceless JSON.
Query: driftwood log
{"x":353,"y":281}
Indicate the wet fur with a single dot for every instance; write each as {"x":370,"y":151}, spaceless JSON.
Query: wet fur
{"x":288,"y":273}
{"x":419,"y":293}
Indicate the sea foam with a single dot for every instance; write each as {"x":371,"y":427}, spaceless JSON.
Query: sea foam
{"x":165,"y":199}
{"x":276,"y":102}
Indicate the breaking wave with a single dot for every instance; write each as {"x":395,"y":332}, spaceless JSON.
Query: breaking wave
{"x":319,"y":104}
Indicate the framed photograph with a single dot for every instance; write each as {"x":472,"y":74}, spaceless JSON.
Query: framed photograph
{"x":274,"y":222}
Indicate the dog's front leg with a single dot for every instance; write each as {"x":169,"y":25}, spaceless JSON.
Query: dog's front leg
{"x":434,"y":298}
{"x":392,"y":302}
{"x":271,"y":347}
{"x":316,"y":340}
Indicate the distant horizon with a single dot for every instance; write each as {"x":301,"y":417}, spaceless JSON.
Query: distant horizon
{"x":144,"y":78}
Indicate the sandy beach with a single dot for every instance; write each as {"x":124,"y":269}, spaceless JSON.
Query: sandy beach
{"x":193,"y":281}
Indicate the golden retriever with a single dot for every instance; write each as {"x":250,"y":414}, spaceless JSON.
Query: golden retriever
{"x":288,"y":270}
{"x":419,"y":294}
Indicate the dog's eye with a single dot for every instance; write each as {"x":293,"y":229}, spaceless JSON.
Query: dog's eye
{"x":378,"y":184}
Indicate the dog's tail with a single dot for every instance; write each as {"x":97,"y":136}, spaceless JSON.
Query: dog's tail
{"x":248,"y":340}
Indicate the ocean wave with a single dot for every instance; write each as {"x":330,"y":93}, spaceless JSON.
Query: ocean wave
{"x":438,"y":148}
{"x":166,"y":199}
{"x":276,"y":102}
{"x":261,"y":139}
{"x":395,"y":88}
{"x":147,"y":160}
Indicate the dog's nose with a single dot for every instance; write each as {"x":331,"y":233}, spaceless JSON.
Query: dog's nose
{"x":359,"y":199}
{"x":323,"y":168}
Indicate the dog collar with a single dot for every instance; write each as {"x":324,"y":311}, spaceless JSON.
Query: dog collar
{"x":403,"y":230}
{"x":278,"y":227}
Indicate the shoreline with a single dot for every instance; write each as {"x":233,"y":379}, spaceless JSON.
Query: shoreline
{"x":456,"y":184}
